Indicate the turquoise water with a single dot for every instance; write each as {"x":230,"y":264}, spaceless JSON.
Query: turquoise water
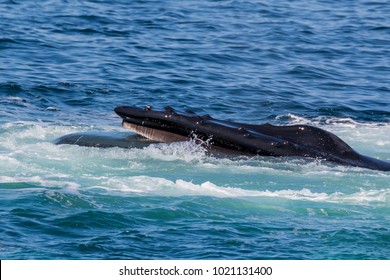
{"x":64,"y":66}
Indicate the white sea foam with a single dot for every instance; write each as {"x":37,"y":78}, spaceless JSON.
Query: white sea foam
{"x":152,"y":186}
{"x":180,"y":169}
{"x":328,"y":120}
{"x":185,"y":151}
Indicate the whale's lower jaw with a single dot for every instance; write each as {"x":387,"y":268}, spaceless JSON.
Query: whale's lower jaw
{"x":154,"y":134}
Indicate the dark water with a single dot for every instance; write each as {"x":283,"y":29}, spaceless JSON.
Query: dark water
{"x":64,"y":66}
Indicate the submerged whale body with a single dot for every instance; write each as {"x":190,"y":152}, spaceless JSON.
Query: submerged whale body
{"x":170,"y":125}
{"x":104,"y":140}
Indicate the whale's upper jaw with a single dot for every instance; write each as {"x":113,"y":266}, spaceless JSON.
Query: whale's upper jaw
{"x":187,"y":124}
{"x":132,"y":113}
{"x":151,"y":118}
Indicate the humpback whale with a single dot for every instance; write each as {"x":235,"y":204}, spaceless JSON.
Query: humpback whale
{"x":169,"y":125}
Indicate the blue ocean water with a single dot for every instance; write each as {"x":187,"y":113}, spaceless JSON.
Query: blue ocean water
{"x":65,"y":65}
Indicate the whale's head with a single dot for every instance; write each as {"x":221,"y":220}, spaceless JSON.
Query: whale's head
{"x":163,"y":126}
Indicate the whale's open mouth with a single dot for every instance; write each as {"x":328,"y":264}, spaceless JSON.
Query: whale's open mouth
{"x":154,"y":125}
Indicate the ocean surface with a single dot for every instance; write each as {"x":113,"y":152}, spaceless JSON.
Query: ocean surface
{"x":65,"y":65}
